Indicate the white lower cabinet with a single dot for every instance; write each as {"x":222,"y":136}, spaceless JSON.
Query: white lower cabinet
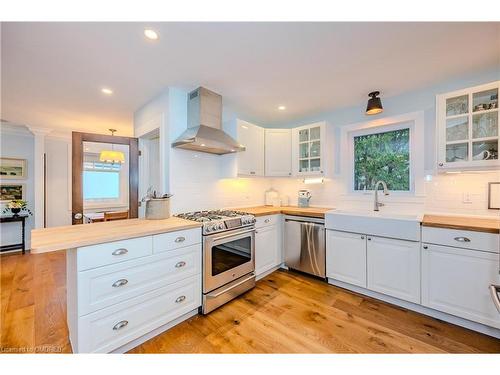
{"x":119,"y":292}
{"x":346,"y":257}
{"x":456,"y":281}
{"x":115,"y":326}
{"x":393,"y":267}
{"x":268,"y":253}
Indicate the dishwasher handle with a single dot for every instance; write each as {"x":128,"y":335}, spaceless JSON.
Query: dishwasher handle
{"x":305,"y":221}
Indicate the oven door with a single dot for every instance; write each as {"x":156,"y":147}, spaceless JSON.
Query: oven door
{"x":227,"y":256}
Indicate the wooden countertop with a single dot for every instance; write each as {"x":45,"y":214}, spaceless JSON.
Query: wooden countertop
{"x":71,"y":236}
{"x":464,"y":223}
{"x":287,"y":210}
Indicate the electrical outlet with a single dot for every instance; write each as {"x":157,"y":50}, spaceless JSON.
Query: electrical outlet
{"x":466,"y":198}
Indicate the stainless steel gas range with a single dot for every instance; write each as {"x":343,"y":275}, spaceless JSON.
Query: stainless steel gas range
{"x":228,"y":255}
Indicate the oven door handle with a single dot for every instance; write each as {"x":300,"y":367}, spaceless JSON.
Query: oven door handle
{"x":233,"y":234}
{"x":252,"y":275}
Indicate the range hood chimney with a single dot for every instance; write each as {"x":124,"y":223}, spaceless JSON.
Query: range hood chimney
{"x":204,"y":132}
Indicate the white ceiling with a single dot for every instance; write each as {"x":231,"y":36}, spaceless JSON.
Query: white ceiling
{"x":52,"y":72}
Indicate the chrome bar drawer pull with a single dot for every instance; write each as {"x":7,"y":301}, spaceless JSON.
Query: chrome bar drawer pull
{"x":180,"y":299}
{"x":462,"y":239}
{"x":494,"y":291}
{"x":120,"y":325}
{"x":119,"y":283}
{"x":180,"y":264}
{"x":180,"y":239}
{"x":121,"y":251}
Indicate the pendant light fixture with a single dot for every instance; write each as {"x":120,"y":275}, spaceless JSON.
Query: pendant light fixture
{"x":112,"y":156}
{"x":374,"y":105}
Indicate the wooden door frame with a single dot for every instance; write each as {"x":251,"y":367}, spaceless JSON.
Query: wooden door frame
{"x":77,"y":170}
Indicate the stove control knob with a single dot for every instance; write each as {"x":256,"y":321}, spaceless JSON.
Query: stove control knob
{"x":221,"y":226}
{"x":214,"y":227}
{"x":207,"y":229}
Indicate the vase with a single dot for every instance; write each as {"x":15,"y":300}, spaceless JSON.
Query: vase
{"x":15,"y":211}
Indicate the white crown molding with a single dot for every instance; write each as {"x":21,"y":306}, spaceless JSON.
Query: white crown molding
{"x":14,"y":129}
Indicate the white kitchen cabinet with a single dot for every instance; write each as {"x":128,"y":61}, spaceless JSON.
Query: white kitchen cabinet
{"x":278,"y":152}
{"x":267,"y":249}
{"x":393,"y":267}
{"x":346,"y":257}
{"x":467,"y":128}
{"x":456,"y":281}
{"x":308,"y":150}
{"x":250,"y":161}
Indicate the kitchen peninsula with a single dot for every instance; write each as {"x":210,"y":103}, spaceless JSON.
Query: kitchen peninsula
{"x":160,"y":260}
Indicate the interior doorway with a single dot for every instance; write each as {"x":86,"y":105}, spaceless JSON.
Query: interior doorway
{"x":104,"y":178}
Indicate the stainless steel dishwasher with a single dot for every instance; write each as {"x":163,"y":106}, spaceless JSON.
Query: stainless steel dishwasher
{"x":305,"y":244}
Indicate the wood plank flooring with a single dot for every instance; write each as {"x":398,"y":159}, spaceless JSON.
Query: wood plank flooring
{"x":285,"y":313}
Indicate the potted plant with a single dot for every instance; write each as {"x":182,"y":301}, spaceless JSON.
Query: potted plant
{"x":16,"y":206}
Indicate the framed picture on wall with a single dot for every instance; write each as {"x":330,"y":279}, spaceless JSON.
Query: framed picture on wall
{"x":12,"y":169}
{"x":494,"y":195}
{"x":9,"y":192}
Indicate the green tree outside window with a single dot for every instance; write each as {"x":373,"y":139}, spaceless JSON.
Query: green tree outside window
{"x":382,"y":156}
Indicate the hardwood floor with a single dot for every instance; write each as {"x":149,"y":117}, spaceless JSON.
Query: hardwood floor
{"x":285,"y":313}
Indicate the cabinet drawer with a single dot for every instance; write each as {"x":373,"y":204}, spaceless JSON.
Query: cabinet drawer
{"x":115,"y":326}
{"x":461,"y":238}
{"x":105,"y":286}
{"x":264,"y":221}
{"x":113,"y":252}
{"x":174,"y":240}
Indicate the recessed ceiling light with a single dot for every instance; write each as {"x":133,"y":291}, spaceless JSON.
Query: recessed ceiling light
{"x":107,"y":91}
{"x":151,"y":34}
{"x":281,"y":107}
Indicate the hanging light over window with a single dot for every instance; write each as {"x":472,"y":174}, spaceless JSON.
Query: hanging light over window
{"x":112,"y":156}
{"x":374,"y":104}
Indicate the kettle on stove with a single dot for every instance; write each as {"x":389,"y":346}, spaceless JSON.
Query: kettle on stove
{"x":304,"y":197}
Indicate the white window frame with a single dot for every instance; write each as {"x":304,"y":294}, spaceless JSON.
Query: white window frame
{"x":413,"y":121}
{"x":121,"y":201}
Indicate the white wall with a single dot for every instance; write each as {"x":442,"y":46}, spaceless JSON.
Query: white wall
{"x":58,"y":157}
{"x":197,"y":180}
{"x":20,"y":146}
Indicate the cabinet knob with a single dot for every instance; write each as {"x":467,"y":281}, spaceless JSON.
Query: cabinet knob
{"x":462,"y":239}
{"x":425,"y":247}
{"x":266,"y":221}
{"x":180,"y":239}
{"x":180,"y":264}
{"x":121,"y":251}
{"x":369,"y":238}
{"x":180,"y":299}
{"x":252,"y":172}
{"x":440,"y":164}
{"x":362,"y":237}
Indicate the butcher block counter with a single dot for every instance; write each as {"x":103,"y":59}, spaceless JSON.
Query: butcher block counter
{"x":73,"y":236}
{"x":489,"y":225}
{"x":287,"y":210}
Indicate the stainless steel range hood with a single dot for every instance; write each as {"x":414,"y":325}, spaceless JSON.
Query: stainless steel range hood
{"x":204,"y":132}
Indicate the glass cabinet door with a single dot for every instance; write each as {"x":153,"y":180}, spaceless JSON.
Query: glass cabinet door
{"x":310,"y":150}
{"x":471,"y":122}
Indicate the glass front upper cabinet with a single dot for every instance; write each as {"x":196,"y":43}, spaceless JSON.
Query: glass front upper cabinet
{"x":467,"y":129}
{"x":309,"y":145}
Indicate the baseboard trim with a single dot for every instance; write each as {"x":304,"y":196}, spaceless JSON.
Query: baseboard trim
{"x":478,"y":327}
{"x":268,"y":272}
{"x":132,"y":344}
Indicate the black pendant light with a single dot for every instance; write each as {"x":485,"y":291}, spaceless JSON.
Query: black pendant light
{"x":374,"y":104}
